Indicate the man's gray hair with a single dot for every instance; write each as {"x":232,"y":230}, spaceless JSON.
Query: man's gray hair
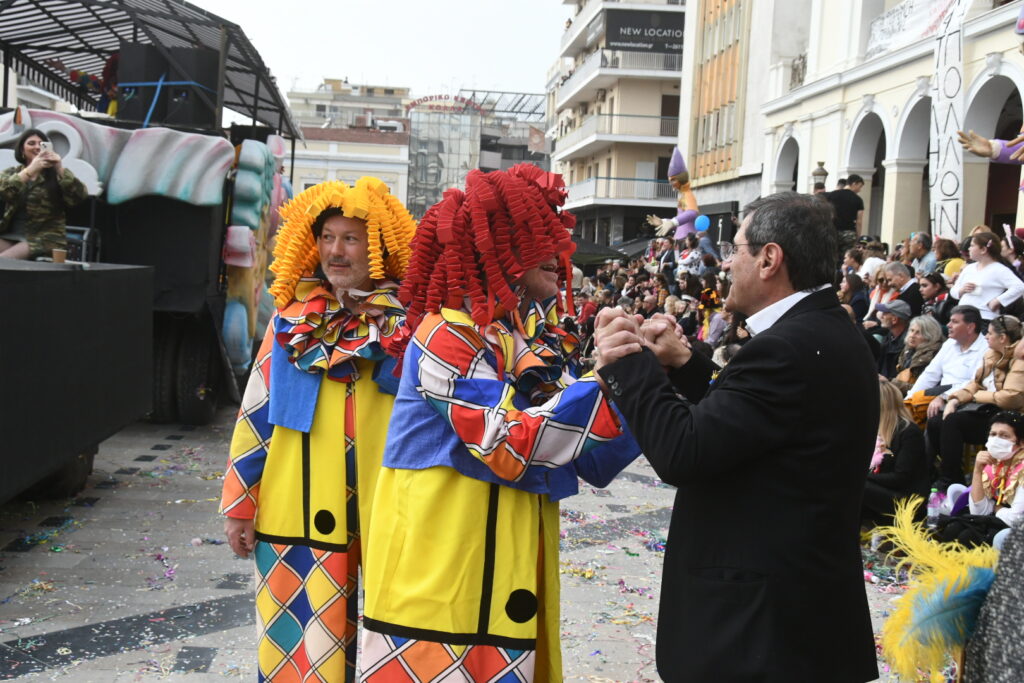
{"x":924,"y":239}
{"x":802,"y":226}
{"x":897,"y":267}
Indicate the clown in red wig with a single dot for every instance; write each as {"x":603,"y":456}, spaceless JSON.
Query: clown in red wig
{"x":490,"y":429}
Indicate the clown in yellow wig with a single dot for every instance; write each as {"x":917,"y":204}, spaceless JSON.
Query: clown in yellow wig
{"x":310,"y":434}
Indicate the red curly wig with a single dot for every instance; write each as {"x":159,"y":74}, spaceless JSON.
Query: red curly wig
{"x":472,"y":245}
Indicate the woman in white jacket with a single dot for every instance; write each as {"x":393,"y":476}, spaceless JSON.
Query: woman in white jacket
{"x":988,"y":283}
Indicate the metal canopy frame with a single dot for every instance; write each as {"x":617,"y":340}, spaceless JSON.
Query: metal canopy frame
{"x":83,"y":34}
{"x":523,"y":106}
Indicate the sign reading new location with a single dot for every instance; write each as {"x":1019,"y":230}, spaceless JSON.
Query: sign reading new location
{"x":639,"y":31}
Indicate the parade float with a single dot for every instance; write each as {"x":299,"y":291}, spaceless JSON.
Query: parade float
{"x":164,"y":290}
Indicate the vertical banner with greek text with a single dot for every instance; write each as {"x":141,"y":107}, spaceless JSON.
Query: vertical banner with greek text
{"x":946,"y":174}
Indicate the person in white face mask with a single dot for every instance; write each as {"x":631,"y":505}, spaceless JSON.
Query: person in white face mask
{"x":998,"y":479}
{"x":999,"y":471}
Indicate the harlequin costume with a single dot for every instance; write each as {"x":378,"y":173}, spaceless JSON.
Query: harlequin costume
{"x":490,"y":430}
{"x":684,"y":222}
{"x":310,"y":434}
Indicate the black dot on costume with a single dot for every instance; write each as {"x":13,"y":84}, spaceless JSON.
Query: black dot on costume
{"x":521,"y":606}
{"x":324,"y":522}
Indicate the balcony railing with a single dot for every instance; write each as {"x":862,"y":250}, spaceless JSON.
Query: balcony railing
{"x":602,"y":187}
{"x":621,"y":59}
{"x":589,"y":10}
{"x":620,"y":124}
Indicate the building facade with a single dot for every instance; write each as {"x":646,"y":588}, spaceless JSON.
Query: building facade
{"x":336,"y":103}
{"x":884,"y":99}
{"x":454,"y":134}
{"x":613,"y":113}
{"x":349,"y":153}
{"x":728,"y":72}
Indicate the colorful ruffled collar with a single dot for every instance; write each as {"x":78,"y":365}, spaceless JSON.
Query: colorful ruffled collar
{"x":321,"y":335}
{"x":533,"y":350}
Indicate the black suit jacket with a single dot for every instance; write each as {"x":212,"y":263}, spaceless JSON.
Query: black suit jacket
{"x":912,"y":295}
{"x":763,"y":577}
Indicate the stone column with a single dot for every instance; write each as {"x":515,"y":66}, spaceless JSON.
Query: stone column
{"x":974,"y":192}
{"x":901,"y":203}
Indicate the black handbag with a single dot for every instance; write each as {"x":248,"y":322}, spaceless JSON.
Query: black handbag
{"x":969,"y":530}
{"x":986,"y":409}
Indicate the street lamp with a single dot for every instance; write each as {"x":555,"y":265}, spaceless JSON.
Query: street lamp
{"x":819,"y":174}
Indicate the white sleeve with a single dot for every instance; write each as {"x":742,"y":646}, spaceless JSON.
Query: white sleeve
{"x":1015,"y":512}
{"x":1014,"y":287}
{"x":931,"y":375}
{"x":983,"y":507}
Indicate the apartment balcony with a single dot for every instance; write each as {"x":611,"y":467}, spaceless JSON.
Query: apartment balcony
{"x":588,"y":25}
{"x":599,"y":131}
{"x":603,"y":68}
{"x":621,"y":192}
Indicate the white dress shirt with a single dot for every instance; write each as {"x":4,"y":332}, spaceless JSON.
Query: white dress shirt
{"x":952,"y":365}
{"x":769,"y":315}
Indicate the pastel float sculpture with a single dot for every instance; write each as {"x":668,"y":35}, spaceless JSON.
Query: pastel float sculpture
{"x":685,"y":219}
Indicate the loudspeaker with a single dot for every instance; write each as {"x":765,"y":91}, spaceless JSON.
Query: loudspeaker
{"x":183,"y":104}
{"x":139,"y":63}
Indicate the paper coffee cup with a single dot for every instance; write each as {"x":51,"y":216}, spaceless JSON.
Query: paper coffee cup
{"x":60,"y":255}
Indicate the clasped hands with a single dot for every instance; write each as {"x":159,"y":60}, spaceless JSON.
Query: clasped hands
{"x":618,"y":334}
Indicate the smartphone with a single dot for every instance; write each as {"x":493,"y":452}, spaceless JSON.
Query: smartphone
{"x":45,"y":147}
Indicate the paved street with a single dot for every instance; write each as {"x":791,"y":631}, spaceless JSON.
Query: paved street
{"x":130,"y":581}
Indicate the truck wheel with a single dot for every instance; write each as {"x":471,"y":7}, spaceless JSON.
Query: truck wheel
{"x":198,"y":375}
{"x":166,"y":342}
{"x":66,"y":482}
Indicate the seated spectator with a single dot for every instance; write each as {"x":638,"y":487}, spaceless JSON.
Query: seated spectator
{"x":626,"y":304}
{"x":649,"y":306}
{"x":990,"y":283}
{"x":662,"y":289}
{"x":706,"y":246}
{"x":997,"y":484}
{"x":586,"y":309}
{"x":1012,"y":250}
{"x":997,"y":385}
{"x":691,"y":286}
{"x":689,"y":261}
{"x":588,"y":287}
{"x":953,"y":367}
{"x":898,"y":466}
{"x":853,"y":261}
{"x":882,"y":293}
{"x":950,"y":262}
{"x":874,"y":258}
{"x":921,"y":250}
{"x":708,"y":265}
{"x":924,"y":339}
{"x":852,"y":292}
{"x":937,"y":301}
{"x":712,"y":326}
{"x":900,"y":277}
{"x":686,"y":314}
{"x":894,"y":316}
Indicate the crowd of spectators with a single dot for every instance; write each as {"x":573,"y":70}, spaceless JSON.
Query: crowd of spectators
{"x":943,"y":321}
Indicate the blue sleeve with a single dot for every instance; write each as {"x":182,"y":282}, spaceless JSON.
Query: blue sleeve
{"x":602,"y":464}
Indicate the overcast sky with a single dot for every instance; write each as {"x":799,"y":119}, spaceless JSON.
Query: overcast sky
{"x":435,"y":46}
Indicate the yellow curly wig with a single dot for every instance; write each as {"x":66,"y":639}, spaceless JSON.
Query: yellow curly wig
{"x":389,"y":227}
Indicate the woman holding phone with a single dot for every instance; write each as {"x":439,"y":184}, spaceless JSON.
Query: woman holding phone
{"x":36,"y":195}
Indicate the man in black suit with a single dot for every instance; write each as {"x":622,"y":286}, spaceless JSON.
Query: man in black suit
{"x":901,"y":276}
{"x":763,"y":577}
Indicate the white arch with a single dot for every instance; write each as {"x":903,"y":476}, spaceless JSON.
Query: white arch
{"x":912,"y":130}
{"x":787,"y":159}
{"x":869,"y":123}
{"x":988,"y":94}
